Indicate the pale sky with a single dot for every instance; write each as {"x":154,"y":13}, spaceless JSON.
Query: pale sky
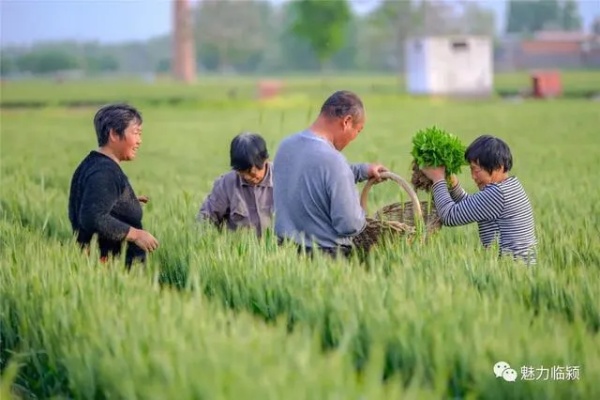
{"x":110,"y":21}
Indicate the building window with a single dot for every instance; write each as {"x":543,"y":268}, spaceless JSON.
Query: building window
{"x":459,"y":45}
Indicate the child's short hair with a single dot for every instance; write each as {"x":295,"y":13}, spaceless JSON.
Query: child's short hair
{"x":248,"y":150}
{"x":490,"y":153}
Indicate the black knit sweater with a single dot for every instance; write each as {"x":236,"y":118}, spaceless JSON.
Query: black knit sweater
{"x":102,"y":202}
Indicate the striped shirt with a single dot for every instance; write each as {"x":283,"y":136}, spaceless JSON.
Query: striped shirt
{"x":502,"y":211}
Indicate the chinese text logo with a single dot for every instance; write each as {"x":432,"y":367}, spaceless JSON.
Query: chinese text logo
{"x":529,"y":373}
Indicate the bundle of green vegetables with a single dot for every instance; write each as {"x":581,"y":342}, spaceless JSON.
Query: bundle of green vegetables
{"x":434,"y":147}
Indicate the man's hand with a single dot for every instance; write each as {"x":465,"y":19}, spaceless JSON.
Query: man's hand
{"x":143,"y":199}
{"x":435,"y":173}
{"x":375,"y":170}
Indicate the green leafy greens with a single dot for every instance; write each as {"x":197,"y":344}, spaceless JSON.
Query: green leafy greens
{"x":434,"y":147}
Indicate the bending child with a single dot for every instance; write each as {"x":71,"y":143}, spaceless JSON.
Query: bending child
{"x":243,"y":197}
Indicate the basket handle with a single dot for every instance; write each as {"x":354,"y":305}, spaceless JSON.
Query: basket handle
{"x":403,"y":184}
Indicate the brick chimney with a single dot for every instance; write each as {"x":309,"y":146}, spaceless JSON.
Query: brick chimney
{"x":184,"y":52}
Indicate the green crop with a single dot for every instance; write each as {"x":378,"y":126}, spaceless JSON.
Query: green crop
{"x":223,"y":316}
{"x":434,"y":147}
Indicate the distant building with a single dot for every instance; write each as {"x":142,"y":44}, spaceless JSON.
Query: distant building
{"x":550,"y":49}
{"x":449,"y":65}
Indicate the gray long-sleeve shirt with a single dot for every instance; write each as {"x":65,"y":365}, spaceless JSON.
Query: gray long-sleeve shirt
{"x":314,"y":192}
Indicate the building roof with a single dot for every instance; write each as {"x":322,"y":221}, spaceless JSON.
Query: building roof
{"x":561,"y":36}
{"x":550,"y":47}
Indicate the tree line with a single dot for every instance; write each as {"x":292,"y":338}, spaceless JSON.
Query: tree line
{"x":255,"y":36}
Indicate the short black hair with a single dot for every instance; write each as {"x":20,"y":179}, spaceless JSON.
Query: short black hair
{"x":490,"y":153}
{"x":248,"y":150}
{"x":115,"y":116}
{"x":341,"y":104}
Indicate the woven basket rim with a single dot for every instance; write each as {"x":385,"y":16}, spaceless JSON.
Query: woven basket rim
{"x":417,"y":210}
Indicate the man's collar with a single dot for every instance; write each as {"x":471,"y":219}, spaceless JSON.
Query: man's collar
{"x":313,"y":135}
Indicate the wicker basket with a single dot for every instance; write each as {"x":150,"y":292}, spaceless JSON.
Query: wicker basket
{"x":396,"y":219}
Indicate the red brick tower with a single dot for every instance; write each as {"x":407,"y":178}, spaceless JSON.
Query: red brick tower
{"x":184,"y":53}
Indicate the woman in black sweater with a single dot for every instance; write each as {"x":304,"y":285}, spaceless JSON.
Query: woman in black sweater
{"x":101,"y":200}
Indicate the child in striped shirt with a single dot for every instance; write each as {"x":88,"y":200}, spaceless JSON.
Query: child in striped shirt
{"x":501,"y":208}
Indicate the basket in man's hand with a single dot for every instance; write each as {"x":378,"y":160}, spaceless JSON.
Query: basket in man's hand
{"x":395,"y":220}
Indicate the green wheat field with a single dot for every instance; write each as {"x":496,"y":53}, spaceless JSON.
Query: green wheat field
{"x":226,"y":316}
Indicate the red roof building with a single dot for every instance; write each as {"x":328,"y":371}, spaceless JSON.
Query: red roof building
{"x":551,"y":49}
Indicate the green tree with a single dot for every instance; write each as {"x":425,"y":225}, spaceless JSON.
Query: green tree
{"x":231,"y":33}
{"x":163,"y":66}
{"x":527,"y":17}
{"x":101,"y":63}
{"x":47,"y":61}
{"x":388,"y":27}
{"x":570,"y":17}
{"x":323,"y":24}
{"x":296,"y":52}
{"x":345,"y":58}
{"x":7,"y":65}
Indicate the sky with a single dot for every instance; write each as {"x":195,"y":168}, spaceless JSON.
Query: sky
{"x":111,"y":21}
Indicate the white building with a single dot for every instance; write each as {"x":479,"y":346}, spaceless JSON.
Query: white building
{"x":449,"y":65}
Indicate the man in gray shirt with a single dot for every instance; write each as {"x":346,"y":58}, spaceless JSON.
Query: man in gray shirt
{"x":314,"y":193}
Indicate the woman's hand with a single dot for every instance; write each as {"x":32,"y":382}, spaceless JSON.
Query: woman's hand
{"x":436,"y":174}
{"x":143,"y":199}
{"x":142,"y":239}
{"x":453,"y":181}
